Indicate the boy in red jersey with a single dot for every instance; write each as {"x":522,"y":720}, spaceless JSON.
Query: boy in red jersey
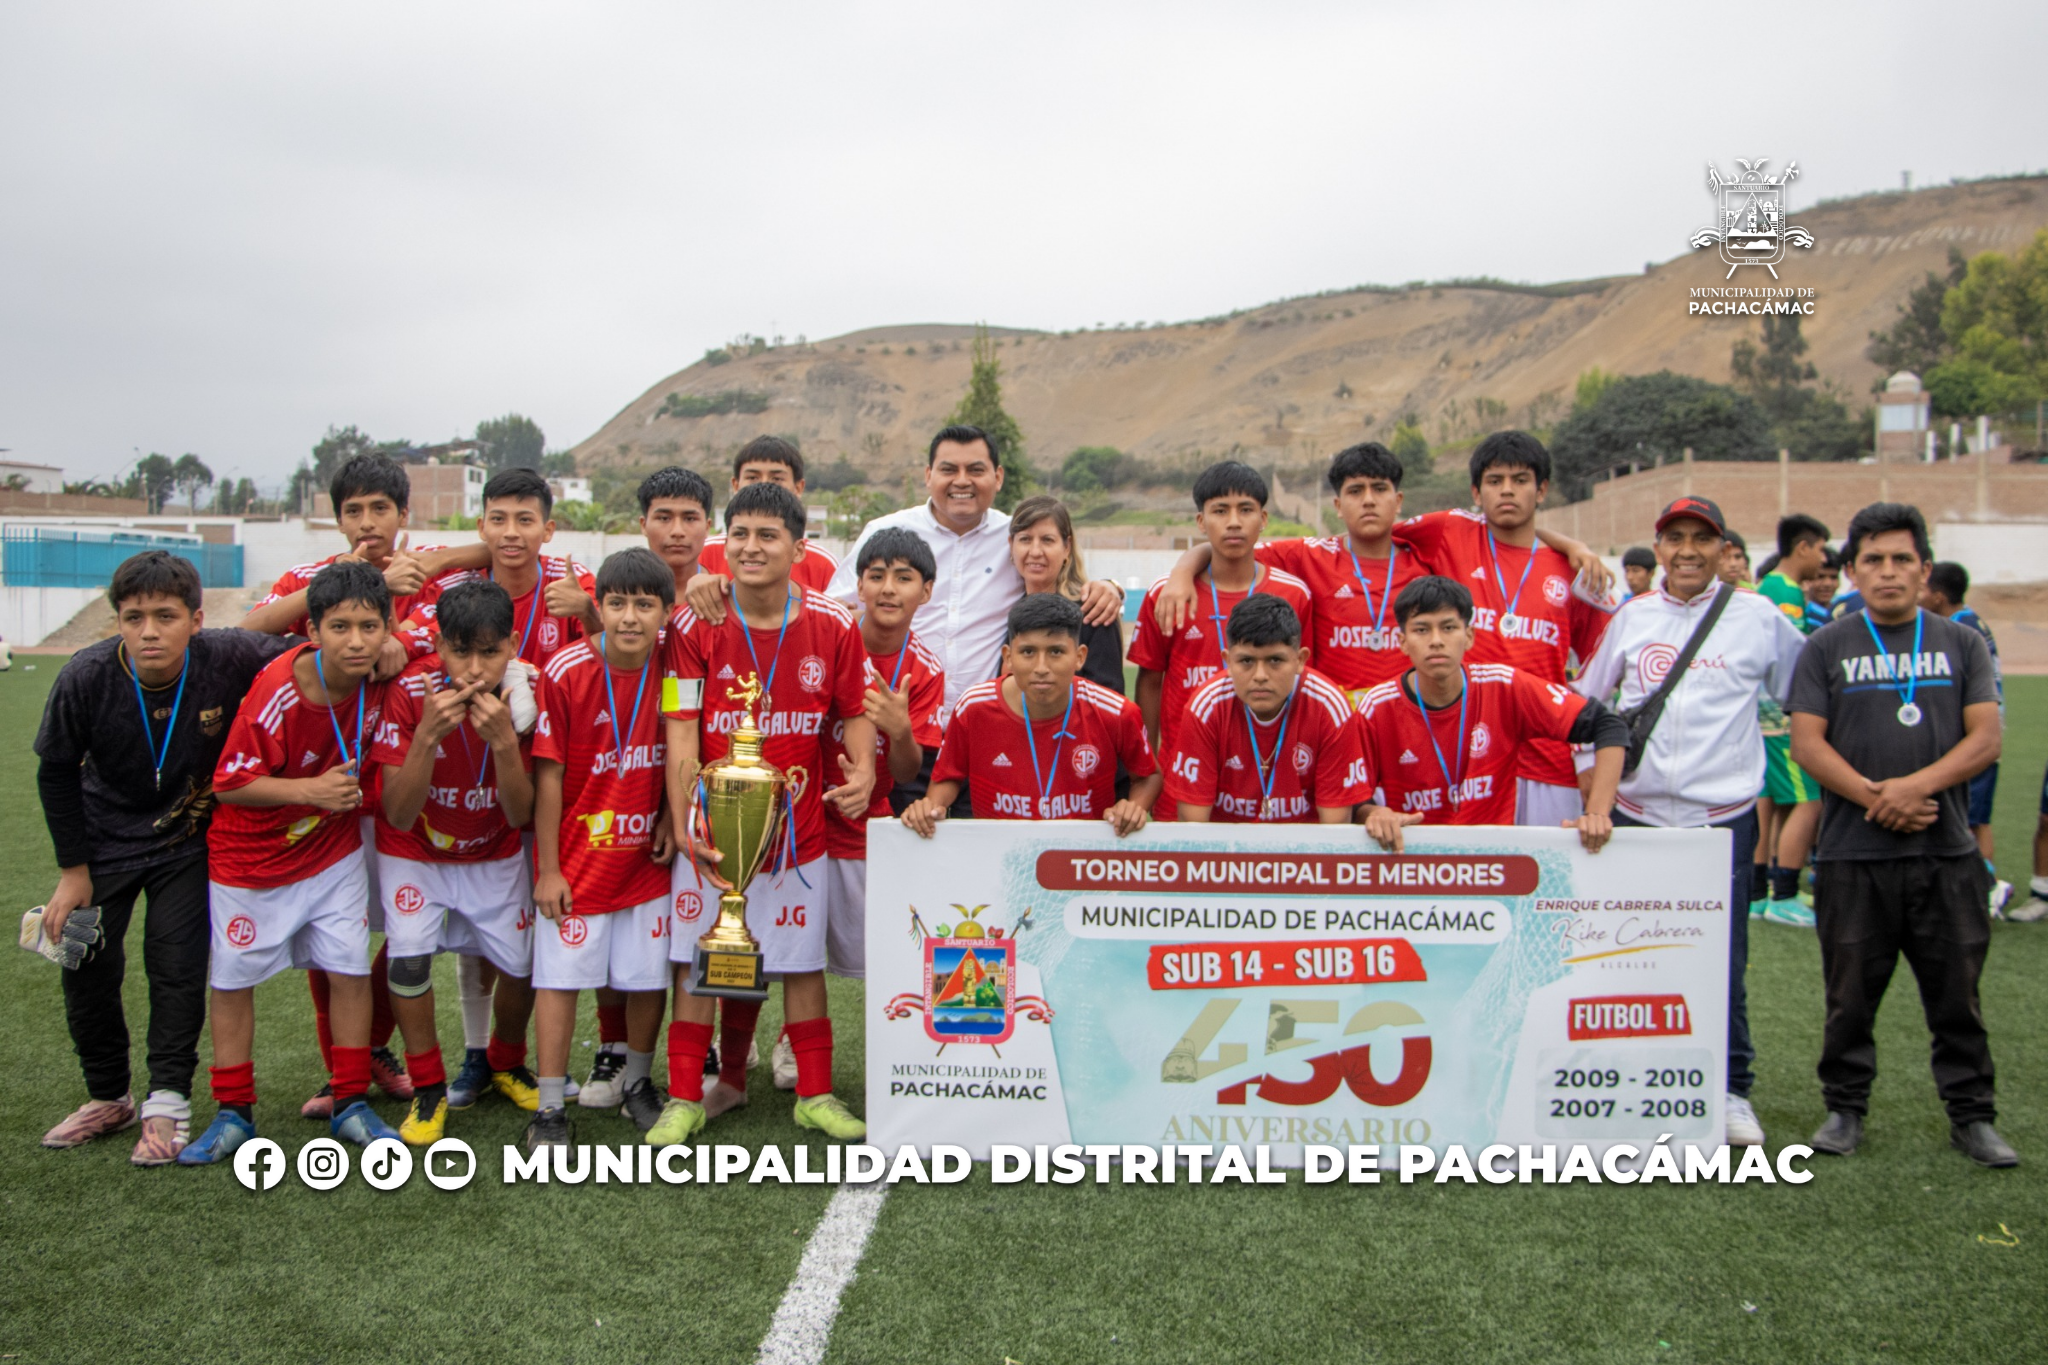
{"x":770,"y":459}
{"x":805,"y":652}
{"x":1353,"y":578}
{"x":450,"y":865}
{"x":285,"y":866}
{"x":1526,"y":610}
{"x":1272,"y":741}
{"x":601,"y":839}
{"x":1441,"y":740}
{"x":1230,"y":512}
{"x":1038,"y":743}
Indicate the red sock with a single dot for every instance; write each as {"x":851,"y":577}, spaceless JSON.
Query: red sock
{"x":425,"y":1068}
{"x":503,"y":1056}
{"x":351,"y":1075}
{"x":611,"y":1023}
{"x":381,"y":1020}
{"x":811,"y":1040}
{"x":234,"y":1084}
{"x":316,"y":982}
{"x":688,"y":1044}
{"x":735,"y":1032}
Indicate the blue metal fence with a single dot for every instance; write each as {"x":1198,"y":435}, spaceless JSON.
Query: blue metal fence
{"x":45,"y":557}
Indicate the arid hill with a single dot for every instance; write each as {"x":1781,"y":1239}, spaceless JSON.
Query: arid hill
{"x":1293,"y":381}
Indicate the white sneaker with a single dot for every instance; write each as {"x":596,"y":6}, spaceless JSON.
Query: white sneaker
{"x":2001,"y":892}
{"x":1740,"y":1125}
{"x":2035,"y":908}
{"x":784,"y":1059}
{"x":605,"y":1088}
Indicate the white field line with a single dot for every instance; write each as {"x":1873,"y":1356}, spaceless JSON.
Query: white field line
{"x":803,"y":1321}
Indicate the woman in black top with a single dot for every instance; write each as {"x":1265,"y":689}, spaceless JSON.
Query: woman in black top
{"x":1042,"y":548}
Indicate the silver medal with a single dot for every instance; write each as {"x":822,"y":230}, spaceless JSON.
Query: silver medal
{"x":1909,"y":715}
{"x":1507,"y":623}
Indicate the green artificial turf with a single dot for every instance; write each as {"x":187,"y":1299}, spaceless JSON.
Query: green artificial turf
{"x":1894,"y":1254}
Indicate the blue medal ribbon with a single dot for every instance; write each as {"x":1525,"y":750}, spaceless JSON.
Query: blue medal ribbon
{"x":1451,"y":786}
{"x":1493,"y":553}
{"x":622,"y":733}
{"x":469,"y":753}
{"x":775,"y":659}
{"x":1031,"y":744}
{"x":1269,"y":769}
{"x":1379,"y":613}
{"x":355,"y":760}
{"x":533,"y":607}
{"x":1216,"y":616}
{"x":160,"y":756}
{"x":1905,"y":693}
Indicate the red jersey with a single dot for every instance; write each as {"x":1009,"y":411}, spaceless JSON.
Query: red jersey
{"x":1408,"y":750}
{"x":300,"y":577}
{"x":1354,"y":640}
{"x":539,"y":639}
{"x":1195,"y":655}
{"x":813,"y":571}
{"x":281,"y":732}
{"x":462,"y":821}
{"x":814,"y":674}
{"x":990,"y":749}
{"x":1309,"y":753}
{"x":918,"y":670}
{"x":612,"y":776}
{"x":1524,"y":612}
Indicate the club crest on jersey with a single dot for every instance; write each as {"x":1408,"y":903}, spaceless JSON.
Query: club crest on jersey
{"x":1304,"y":758}
{"x":212,"y":720}
{"x":1556,"y":590}
{"x":689,"y":905}
{"x":1087,"y":758}
{"x":573,"y":930}
{"x":810,"y":674}
{"x":970,"y":983}
{"x":241,"y":931}
{"x":1482,"y":740}
{"x":550,"y":633}
{"x":408,"y":900}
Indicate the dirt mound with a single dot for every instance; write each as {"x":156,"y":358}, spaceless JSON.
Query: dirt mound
{"x":95,"y":620}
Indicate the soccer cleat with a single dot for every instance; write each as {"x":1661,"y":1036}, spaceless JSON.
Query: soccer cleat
{"x":519,"y":1086}
{"x":2001,"y":895}
{"x":1790,"y":912}
{"x":359,"y":1124}
{"x":721,"y":1098}
{"x":642,"y":1104}
{"x":321,"y":1106}
{"x":829,"y":1115}
{"x":2036,"y":908}
{"x":549,"y":1128}
{"x":783,"y":1059}
{"x":94,"y":1118}
{"x":606,"y":1086}
{"x":228,"y":1131}
{"x":1740,"y":1125}
{"x":472,"y":1081}
{"x":387,"y":1073}
{"x":163,"y":1137}
{"x":424,"y":1131}
{"x":1757,"y":908}
{"x":680,"y":1121}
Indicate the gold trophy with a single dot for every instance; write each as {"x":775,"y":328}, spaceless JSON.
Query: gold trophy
{"x":742,"y":807}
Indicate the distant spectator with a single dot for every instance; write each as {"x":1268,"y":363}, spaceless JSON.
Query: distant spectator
{"x":1639,"y":567}
{"x":1948,"y":583}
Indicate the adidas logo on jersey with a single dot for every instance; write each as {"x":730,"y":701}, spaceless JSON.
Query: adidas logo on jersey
{"x":1344,"y":591}
{"x":1408,"y":756}
{"x":725,"y":672}
{"x":1234,"y":762}
{"x":309,"y":759}
{"x":1192,"y":633}
{"x":1480,"y":574}
{"x":1001,"y":761}
{"x":603,"y":718}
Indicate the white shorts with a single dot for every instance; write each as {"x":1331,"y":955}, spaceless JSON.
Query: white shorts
{"x":1540,"y":803}
{"x":376,"y":900}
{"x":786,"y":912}
{"x":482,"y":909}
{"x":319,"y":922}
{"x":846,"y":932}
{"x":626,"y":950}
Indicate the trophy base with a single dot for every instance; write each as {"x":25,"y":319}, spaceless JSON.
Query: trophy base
{"x":728,"y":974}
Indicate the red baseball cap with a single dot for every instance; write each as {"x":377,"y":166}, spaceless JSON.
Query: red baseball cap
{"x":1700,"y":509}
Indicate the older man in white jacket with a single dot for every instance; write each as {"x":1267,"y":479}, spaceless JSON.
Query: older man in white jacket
{"x":1704,"y":762}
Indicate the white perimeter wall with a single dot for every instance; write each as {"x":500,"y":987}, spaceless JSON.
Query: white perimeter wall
{"x":28,"y":615}
{"x":1996,"y":551}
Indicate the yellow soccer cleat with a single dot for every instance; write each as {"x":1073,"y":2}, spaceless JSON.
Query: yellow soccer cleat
{"x":680,"y":1121}
{"x":424,"y":1131}
{"x":829,"y":1115}
{"x":519,"y":1086}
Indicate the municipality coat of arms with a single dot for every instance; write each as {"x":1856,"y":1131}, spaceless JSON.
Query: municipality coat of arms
{"x":970,"y":975}
{"x":1752,"y":229}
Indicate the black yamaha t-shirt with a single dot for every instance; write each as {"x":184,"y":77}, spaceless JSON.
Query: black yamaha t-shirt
{"x":101,"y":797}
{"x":1845,"y":677}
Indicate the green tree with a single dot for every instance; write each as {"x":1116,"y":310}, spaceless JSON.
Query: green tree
{"x":335,"y":449}
{"x":842,"y":473}
{"x":1411,"y":448}
{"x":1643,"y":417}
{"x":1592,"y":383}
{"x":1997,"y":316}
{"x":190,"y":474}
{"x":511,"y":442}
{"x":1090,"y":469}
{"x":152,"y":480}
{"x":558,"y":464}
{"x":1917,"y":341}
{"x":1812,"y":424}
{"x":982,"y":406}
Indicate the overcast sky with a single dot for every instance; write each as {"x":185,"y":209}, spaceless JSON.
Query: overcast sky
{"x":226,"y":226}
